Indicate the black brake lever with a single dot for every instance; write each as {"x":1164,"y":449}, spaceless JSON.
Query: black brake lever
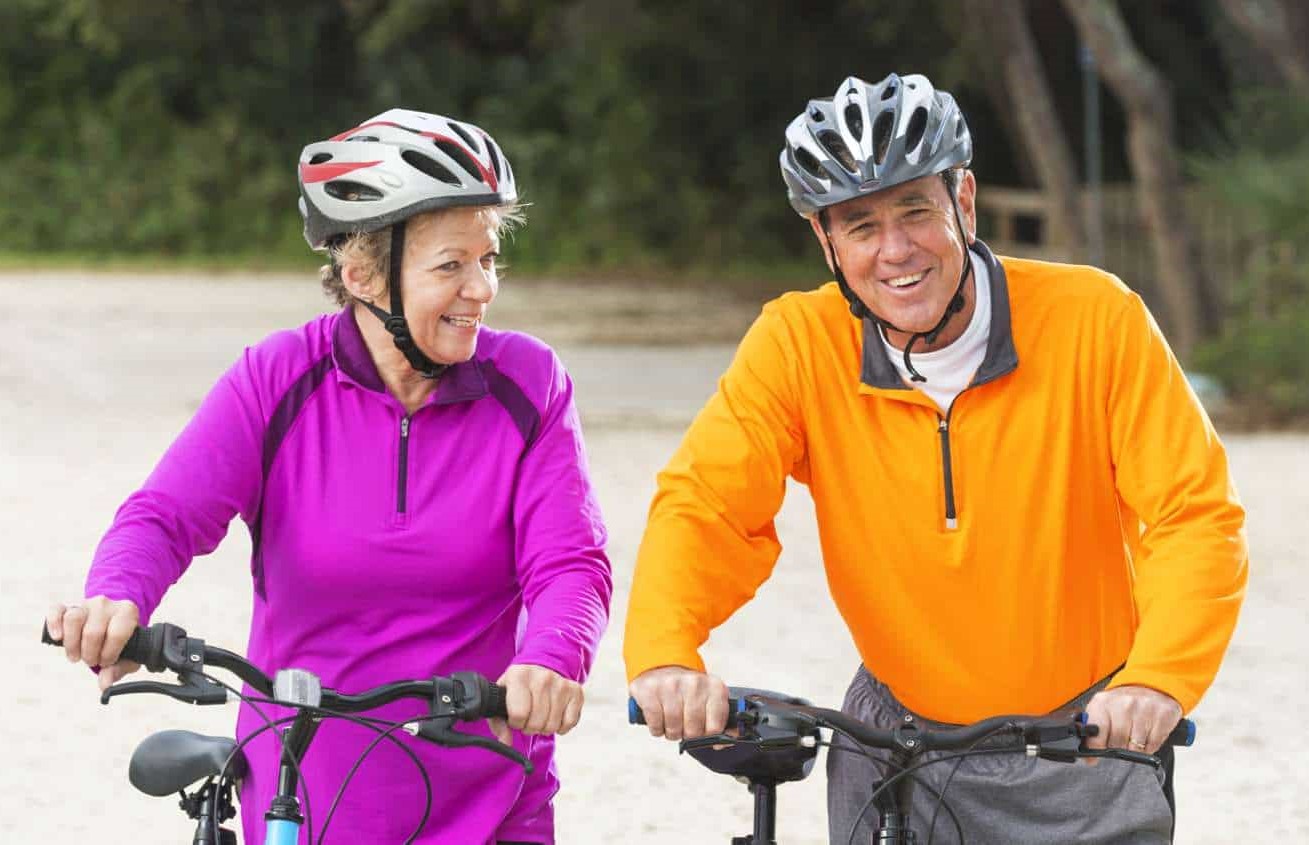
{"x":194,"y":689}
{"x":1061,"y":743}
{"x":1122,"y":754}
{"x":438,"y":730}
{"x":712,"y":740}
{"x":1066,"y":744}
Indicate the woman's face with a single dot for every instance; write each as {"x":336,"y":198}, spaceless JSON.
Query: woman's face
{"x":448,"y":279}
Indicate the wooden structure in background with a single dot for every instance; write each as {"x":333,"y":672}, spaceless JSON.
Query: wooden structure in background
{"x":1013,"y":221}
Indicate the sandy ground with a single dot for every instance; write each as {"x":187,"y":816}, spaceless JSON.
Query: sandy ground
{"x":97,"y":374}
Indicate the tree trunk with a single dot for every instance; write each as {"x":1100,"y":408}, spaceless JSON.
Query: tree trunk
{"x":1025,"y":95}
{"x":1184,"y":283}
{"x":1278,"y":29}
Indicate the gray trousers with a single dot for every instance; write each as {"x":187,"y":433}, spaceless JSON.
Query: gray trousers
{"x":1003,"y":798}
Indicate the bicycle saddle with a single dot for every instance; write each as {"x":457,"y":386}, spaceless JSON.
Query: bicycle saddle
{"x":769,"y":748}
{"x":167,"y":762}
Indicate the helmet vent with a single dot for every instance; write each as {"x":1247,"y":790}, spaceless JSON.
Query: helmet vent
{"x":882,"y":136}
{"x":431,"y":167}
{"x":372,"y":138}
{"x":888,"y":92}
{"x":816,"y":115}
{"x":343,"y":189}
{"x":917,"y":124}
{"x":495,"y":161}
{"x":319,"y":158}
{"x":468,"y":139}
{"x":834,"y":145}
{"x":461,"y":158}
{"x":855,"y":120}
{"x":808,"y":163}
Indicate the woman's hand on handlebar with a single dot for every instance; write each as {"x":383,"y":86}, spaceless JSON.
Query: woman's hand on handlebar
{"x":539,"y":701}
{"x":94,"y":632}
{"x":681,"y":703}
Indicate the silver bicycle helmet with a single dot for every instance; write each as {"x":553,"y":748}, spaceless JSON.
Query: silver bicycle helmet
{"x":393,"y":166}
{"x":871,"y":136}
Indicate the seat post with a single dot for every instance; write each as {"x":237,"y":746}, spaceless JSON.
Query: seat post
{"x":765,"y":814}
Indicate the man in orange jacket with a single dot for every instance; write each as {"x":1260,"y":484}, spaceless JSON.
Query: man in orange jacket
{"x":1021,"y":504}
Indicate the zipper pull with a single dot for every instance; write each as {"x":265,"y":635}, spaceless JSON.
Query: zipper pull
{"x":404,"y":427}
{"x":943,"y":426}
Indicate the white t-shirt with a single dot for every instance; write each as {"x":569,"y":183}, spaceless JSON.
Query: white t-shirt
{"x":949,"y":370}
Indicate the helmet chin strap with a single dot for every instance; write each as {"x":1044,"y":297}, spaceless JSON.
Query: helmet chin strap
{"x":861,"y":310}
{"x":395,"y":321}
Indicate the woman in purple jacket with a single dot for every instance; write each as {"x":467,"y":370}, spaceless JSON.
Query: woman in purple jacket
{"x":415,"y":487}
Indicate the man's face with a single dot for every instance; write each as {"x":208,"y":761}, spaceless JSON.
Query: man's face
{"x":900,"y":248}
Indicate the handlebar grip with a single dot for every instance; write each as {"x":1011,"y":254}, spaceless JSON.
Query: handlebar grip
{"x":495,"y":702}
{"x":735,"y":707}
{"x":142,"y":647}
{"x":1183,"y":734}
{"x":145,"y":646}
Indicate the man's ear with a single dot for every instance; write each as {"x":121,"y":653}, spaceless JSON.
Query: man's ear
{"x":822,"y":241}
{"x":968,"y":204}
{"x":360,"y":283}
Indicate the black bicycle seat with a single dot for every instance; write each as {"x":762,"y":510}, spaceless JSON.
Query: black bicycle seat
{"x":770,"y":748}
{"x":169,"y":761}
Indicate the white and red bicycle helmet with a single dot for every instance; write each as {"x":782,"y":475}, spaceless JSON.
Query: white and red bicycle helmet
{"x":393,"y":166}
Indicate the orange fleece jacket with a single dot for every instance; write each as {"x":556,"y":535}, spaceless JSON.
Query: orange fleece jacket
{"x":1095,"y":521}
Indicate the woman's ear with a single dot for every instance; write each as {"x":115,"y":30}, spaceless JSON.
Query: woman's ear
{"x":360,"y":283}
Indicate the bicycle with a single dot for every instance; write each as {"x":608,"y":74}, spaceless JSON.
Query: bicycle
{"x":169,"y":762}
{"x":778,"y":737}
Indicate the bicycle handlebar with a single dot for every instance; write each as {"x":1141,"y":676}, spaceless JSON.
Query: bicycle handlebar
{"x":463,"y":696}
{"x":910,"y":737}
{"x":959,"y":738}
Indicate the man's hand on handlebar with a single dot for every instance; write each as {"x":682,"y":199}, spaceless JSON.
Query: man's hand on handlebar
{"x":94,"y":632}
{"x":681,"y":703}
{"x":1132,"y":717}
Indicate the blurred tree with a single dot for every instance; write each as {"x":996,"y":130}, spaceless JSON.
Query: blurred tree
{"x":1184,"y":282}
{"x":1025,"y":93}
{"x":1281,"y":29}
{"x":645,"y":132}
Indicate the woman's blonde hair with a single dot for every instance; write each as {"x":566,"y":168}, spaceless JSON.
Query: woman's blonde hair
{"x":372,"y":250}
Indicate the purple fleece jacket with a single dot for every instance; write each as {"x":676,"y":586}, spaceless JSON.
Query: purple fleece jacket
{"x":463,"y":537}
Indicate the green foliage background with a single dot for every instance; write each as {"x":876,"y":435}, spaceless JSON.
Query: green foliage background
{"x":644,"y":132}
{"x":1261,"y":172}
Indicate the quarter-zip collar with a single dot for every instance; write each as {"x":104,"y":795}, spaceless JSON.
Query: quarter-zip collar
{"x":1001,"y":358}
{"x":462,"y":382}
